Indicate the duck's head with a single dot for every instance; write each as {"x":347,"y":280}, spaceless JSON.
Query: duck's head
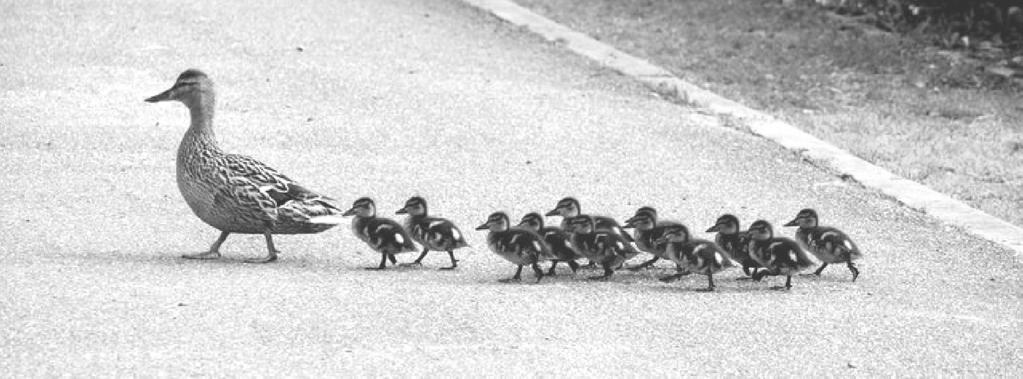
{"x":496,"y":222}
{"x":567,"y":207}
{"x":726,"y":224}
{"x":674,"y":233}
{"x":761,"y":230}
{"x":191,"y":88}
{"x":580,"y":224}
{"x":807,"y":218}
{"x":645,"y":219}
{"x":364,"y":207}
{"x":415,"y":206}
{"x":532,"y":221}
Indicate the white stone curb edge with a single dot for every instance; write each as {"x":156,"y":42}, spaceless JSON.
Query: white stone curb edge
{"x":910,"y":193}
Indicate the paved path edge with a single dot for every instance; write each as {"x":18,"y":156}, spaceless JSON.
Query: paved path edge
{"x":663,"y":82}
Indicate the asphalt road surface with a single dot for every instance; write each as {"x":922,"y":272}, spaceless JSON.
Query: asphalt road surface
{"x":398,"y":98}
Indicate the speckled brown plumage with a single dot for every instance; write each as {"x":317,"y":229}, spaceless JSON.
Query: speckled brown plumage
{"x":235,"y":193}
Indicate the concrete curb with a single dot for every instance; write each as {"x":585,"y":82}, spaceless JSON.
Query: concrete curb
{"x":910,"y":193}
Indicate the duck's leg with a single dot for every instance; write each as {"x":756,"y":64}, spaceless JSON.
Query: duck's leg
{"x":820,"y":269}
{"x":644,"y":264}
{"x":854,"y":270}
{"x":383,"y":262}
{"x":517,"y":277}
{"x":538,"y":272}
{"x":393,"y":260}
{"x":213,"y":253}
{"x":454,"y":262}
{"x":418,"y":261}
{"x":271,"y":254}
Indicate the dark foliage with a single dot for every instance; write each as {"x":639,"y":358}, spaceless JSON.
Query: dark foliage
{"x":984,"y":24}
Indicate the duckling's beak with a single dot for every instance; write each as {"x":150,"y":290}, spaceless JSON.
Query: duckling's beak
{"x":628,"y":224}
{"x":485,"y":226}
{"x":350,"y":212}
{"x":714,"y":228}
{"x":552,"y":213}
{"x":792,"y":223}
{"x":401,"y":211}
{"x":163,"y":96}
{"x":660,"y":240}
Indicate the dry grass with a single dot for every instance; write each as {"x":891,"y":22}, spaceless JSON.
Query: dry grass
{"x":889,"y":99}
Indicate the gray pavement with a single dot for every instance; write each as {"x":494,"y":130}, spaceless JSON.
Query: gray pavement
{"x":391,"y":99}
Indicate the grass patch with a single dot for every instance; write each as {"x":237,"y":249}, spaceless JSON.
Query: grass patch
{"x":895,"y":101}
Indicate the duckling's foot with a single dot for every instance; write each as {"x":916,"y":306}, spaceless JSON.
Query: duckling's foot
{"x":708,"y":289}
{"x":206,"y":255}
{"x":670,"y":278}
{"x":854,"y":270}
{"x":599,"y":277}
{"x":572,"y":265}
{"x":820,"y":269}
{"x":644,"y":265}
{"x":454,"y":262}
{"x":382,"y":265}
{"x":787,"y":286}
{"x":517,"y":277}
{"x":409,"y":264}
{"x":552,"y":271}
{"x":538,"y":272}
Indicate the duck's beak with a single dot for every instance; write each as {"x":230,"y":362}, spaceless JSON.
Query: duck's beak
{"x":792,"y":223}
{"x":163,"y":96}
{"x":554,"y":212}
{"x":714,"y":228}
{"x":485,"y":226}
{"x":349,"y":212}
{"x":628,"y":224}
{"x":401,"y":211}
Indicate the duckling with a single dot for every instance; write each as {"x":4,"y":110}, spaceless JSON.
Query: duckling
{"x":569,"y":207}
{"x":648,"y":231}
{"x":518,"y":246}
{"x":735,"y":241}
{"x":778,"y":255}
{"x":382,"y":235}
{"x":608,"y":249}
{"x":828,"y":244}
{"x":433,"y":233}
{"x":695,"y":255}
{"x":556,"y":239}
{"x":235,"y":193}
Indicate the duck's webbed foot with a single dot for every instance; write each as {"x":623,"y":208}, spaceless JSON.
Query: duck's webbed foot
{"x":213,"y":253}
{"x":204,"y":255}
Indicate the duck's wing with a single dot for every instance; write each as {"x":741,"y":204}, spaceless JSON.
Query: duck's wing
{"x":275,"y":193}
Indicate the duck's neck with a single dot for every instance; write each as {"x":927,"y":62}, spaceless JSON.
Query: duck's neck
{"x":200,"y":136}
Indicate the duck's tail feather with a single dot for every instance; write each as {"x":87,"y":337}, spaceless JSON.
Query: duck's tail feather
{"x":328,"y":219}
